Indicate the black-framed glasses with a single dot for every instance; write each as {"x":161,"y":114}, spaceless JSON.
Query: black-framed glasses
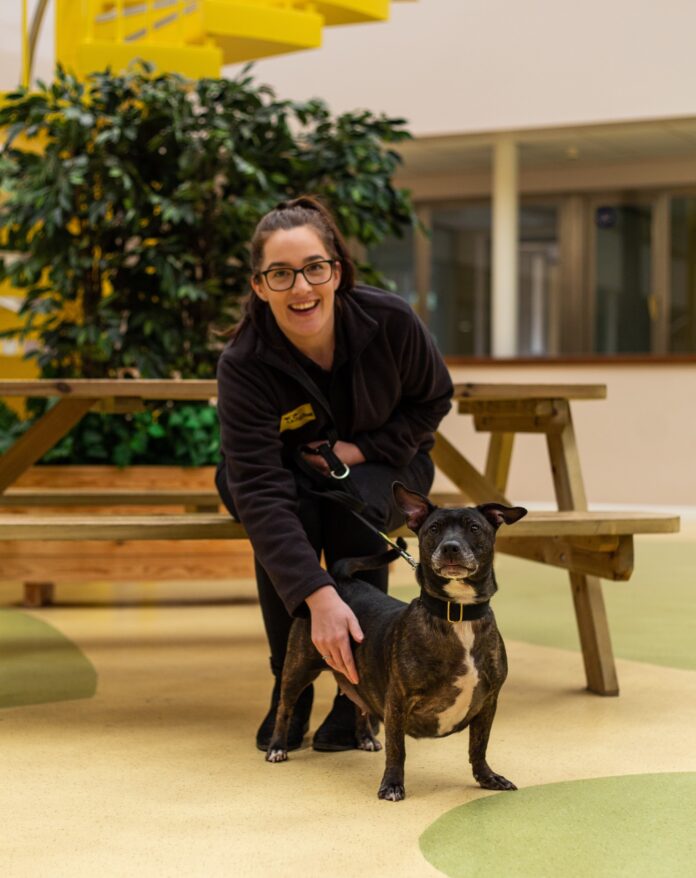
{"x":281,"y":279}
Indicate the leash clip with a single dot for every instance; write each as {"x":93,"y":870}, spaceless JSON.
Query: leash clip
{"x":343,"y":475}
{"x":332,"y":460}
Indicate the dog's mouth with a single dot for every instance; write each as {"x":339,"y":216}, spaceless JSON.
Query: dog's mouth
{"x":456,"y":571}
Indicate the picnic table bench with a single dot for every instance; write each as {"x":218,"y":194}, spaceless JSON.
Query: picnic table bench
{"x":589,"y":544}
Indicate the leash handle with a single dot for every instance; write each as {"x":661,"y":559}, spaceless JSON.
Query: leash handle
{"x":337,"y":468}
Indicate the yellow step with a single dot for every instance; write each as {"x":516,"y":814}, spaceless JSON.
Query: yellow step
{"x":248,"y":30}
{"x":195,"y":62}
{"x":336,"y":12}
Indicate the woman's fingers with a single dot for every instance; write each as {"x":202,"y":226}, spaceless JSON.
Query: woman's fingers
{"x":347,"y":662}
{"x":317,"y":462}
{"x":355,"y":629}
{"x":333,"y":622}
{"x":340,"y":658}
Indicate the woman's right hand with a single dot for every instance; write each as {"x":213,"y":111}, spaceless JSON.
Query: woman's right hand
{"x":333,"y":623}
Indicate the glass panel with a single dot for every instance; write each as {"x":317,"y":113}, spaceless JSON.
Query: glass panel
{"x":623,"y":280}
{"x":682,"y":318}
{"x":459,"y":303}
{"x":394,"y":258}
{"x":537,"y":333}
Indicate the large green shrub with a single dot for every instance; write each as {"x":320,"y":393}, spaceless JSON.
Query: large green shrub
{"x":132,"y":220}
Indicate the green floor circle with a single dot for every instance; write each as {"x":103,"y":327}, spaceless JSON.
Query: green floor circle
{"x":608,"y":827}
{"x":39,"y":664}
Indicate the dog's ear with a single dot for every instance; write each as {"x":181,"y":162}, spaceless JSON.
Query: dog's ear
{"x":498,"y":514}
{"x":415,"y":506}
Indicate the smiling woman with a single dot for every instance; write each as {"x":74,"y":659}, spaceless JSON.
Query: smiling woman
{"x":301,"y":298}
{"x":320,"y":361}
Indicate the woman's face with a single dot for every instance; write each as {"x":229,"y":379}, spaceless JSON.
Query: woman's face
{"x":305,"y":312}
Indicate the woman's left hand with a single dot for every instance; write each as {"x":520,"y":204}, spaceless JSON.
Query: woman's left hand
{"x":346,"y":452}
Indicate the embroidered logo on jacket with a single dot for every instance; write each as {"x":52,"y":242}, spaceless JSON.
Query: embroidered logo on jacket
{"x":297,"y":417}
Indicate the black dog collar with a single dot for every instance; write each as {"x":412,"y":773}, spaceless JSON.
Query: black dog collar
{"x":453,"y":611}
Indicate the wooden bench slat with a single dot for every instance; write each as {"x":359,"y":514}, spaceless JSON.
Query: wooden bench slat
{"x":220,"y":526}
{"x":99,"y":388}
{"x":15,"y":497}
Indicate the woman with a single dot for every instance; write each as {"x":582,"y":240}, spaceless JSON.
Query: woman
{"x":317,"y":359}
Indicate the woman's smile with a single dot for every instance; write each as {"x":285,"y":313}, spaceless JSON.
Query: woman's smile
{"x":304,"y":307}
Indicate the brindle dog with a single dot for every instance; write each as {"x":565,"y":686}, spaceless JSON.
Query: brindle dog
{"x":428,"y":668}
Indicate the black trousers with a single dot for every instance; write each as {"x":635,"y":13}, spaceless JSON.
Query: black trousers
{"x":336,"y":532}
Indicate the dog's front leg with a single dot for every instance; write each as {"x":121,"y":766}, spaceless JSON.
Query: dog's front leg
{"x":479,"y":732}
{"x":392,"y":785}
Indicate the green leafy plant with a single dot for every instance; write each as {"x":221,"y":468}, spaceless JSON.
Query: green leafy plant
{"x":130,"y":223}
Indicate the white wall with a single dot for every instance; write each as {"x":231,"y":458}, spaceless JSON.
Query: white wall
{"x":484,"y":65}
{"x":11,"y":43}
{"x":479,"y":65}
{"x":637,"y":447}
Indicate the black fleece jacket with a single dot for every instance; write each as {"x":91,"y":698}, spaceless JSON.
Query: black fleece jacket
{"x":268,"y":405}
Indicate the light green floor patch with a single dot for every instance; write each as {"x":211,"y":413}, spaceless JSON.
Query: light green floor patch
{"x":610,"y":827}
{"x":650,"y":616}
{"x":38,"y":664}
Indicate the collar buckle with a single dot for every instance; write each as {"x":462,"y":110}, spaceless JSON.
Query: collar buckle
{"x":461,"y":611}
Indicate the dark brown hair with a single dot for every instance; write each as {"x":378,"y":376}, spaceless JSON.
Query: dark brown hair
{"x":306,"y":210}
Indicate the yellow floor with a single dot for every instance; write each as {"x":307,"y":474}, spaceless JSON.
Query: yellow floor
{"x":157,"y":774}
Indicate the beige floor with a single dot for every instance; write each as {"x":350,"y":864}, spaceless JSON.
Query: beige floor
{"x":157,"y":776}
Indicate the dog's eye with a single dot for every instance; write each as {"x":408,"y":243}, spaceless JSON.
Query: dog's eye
{"x":434,"y":528}
{"x":474,"y":528}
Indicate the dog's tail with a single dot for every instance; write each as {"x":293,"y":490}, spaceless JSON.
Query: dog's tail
{"x":346,"y":568}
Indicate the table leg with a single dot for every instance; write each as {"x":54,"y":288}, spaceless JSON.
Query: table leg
{"x":590,"y":611}
{"x":498,"y":459}
{"x":41,"y":437}
{"x":38,"y":594}
{"x":475,"y":486}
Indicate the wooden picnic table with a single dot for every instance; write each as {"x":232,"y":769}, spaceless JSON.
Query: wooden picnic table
{"x":587,"y":544}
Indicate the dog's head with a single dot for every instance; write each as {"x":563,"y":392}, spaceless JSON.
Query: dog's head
{"x":456,"y":544}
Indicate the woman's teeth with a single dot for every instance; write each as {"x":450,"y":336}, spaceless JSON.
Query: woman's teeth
{"x":304,"y":306}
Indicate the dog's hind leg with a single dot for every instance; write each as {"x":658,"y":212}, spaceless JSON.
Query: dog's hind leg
{"x":364,"y":726}
{"x":365,"y":733}
{"x":479,"y":731}
{"x":302,"y":666}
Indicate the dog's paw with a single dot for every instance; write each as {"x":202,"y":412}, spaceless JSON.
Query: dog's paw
{"x":392,"y":792}
{"x":495,"y":781}
{"x":275,"y":754}
{"x":369,"y":743}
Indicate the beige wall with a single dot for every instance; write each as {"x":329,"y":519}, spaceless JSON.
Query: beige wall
{"x":478,"y":65}
{"x":486,"y":65}
{"x":11,"y":43}
{"x":637,"y":447}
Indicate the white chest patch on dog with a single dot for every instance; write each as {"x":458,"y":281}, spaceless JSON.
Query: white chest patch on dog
{"x":458,"y":590}
{"x":465,"y":683}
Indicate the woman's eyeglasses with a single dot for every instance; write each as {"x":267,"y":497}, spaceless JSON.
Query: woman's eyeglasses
{"x":281,"y":279}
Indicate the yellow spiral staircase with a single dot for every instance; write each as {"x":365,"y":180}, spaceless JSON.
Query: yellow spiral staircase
{"x":196,"y":37}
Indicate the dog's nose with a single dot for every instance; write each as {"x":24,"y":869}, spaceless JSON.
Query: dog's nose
{"x":451,"y":549}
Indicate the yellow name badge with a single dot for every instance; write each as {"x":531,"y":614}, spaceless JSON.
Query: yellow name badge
{"x":297,"y":417}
